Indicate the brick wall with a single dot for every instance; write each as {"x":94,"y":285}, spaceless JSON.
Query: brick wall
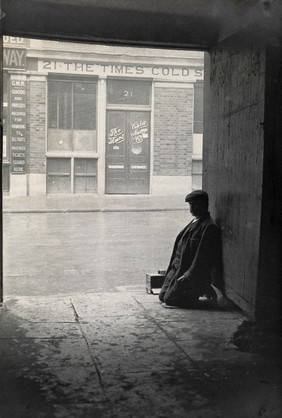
{"x":36,"y":126}
{"x":173,"y":143}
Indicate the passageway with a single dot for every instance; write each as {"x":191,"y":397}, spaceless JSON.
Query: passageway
{"x":63,"y":362}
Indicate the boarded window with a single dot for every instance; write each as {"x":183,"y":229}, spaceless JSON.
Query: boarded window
{"x":85,"y":175}
{"x":58,"y":175}
{"x":65,"y":175}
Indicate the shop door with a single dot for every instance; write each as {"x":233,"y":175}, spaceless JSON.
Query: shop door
{"x":128,"y":152}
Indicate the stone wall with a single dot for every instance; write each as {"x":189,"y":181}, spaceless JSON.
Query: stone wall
{"x":270,"y":265}
{"x":233,"y":161}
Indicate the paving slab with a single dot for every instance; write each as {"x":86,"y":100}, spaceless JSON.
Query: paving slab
{"x":92,"y":305}
{"x":39,"y":330}
{"x":169,"y":393}
{"x":84,"y":410}
{"x":159,"y":354}
{"x":39,"y":309}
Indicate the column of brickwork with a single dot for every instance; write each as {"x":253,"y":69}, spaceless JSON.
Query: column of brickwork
{"x":173,"y":114}
{"x":36,"y":134}
{"x":36,"y":125}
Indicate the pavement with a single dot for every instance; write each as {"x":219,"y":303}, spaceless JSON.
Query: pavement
{"x":123,"y":355}
{"x":92,"y":203}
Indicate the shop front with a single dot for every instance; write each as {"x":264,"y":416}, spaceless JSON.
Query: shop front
{"x":93,"y":119}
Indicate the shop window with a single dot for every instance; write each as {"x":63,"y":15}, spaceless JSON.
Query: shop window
{"x":128,"y":92}
{"x":71,"y":115}
{"x":85,"y":175}
{"x":198,"y":108}
{"x":58,"y":175}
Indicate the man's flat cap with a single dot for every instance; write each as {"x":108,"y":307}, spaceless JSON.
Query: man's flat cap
{"x":197,"y":195}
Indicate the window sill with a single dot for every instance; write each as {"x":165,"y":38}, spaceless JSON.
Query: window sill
{"x":72,"y":154}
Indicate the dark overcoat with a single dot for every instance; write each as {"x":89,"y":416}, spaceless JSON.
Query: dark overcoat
{"x":201,"y":251}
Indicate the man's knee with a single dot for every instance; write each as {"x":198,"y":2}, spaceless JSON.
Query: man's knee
{"x":171,"y":298}
{"x":161,"y":296}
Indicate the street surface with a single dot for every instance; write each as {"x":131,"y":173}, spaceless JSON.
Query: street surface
{"x":58,"y":253}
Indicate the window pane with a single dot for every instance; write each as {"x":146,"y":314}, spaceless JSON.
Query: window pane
{"x":79,"y":166}
{"x":58,"y":175}
{"x":60,"y":104}
{"x":59,"y":140}
{"x":198,"y":127}
{"x":85,"y":175}
{"x":85,"y":166}
{"x":128,"y":92}
{"x":59,"y":166}
{"x":65,"y":109}
{"x":57,"y":184}
{"x":84,"y":106}
{"x":84,"y":140}
{"x":197,"y":167}
{"x":53,"y":111}
{"x":91,"y":166}
{"x":85,"y":185}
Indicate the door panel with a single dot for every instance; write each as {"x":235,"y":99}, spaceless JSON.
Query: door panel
{"x":115,"y":153}
{"x":139,"y":147}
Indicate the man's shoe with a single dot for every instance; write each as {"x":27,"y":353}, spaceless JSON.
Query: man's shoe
{"x":165,"y":305}
{"x":206,"y":303}
{"x":222,"y":301}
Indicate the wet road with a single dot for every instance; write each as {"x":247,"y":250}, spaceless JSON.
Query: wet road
{"x":58,"y":253}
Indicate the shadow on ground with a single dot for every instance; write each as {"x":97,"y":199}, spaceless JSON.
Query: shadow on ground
{"x":123,"y":355}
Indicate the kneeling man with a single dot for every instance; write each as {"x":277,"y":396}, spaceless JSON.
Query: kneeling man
{"x":196,"y":252}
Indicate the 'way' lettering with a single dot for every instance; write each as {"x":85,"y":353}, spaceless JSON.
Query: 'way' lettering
{"x":14,"y":58}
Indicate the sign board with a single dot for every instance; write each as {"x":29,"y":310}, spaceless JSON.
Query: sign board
{"x":18,"y":126}
{"x":159,"y":72}
{"x":14,"y":58}
{"x":14,"y":53}
{"x":14,"y":41}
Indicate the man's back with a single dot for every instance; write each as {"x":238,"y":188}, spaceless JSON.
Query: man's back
{"x":194,"y":254}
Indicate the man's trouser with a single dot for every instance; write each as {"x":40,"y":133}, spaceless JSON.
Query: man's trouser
{"x":183,"y":294}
